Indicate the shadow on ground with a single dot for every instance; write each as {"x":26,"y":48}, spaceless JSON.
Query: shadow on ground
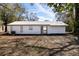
{"x":39,"y":45}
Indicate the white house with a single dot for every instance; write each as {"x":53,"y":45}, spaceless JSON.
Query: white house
{"x":37,"y":27}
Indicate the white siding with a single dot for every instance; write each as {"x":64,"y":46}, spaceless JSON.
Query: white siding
{"x":16,"y":29}
{"x":35,"y":30}
{"x":56,"y":30}
{"x":25,"y":29}
{"x":9,"y":29}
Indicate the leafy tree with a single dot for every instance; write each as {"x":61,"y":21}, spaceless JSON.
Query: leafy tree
{"x":9,"y":12}
{"x":69,"y":9}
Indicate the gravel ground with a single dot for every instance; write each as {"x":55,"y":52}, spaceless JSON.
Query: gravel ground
{"x":51,"y":45}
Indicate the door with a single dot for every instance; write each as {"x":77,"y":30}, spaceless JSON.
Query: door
{"x":43,"y":29}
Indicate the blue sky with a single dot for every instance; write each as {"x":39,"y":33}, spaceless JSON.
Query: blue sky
{"x":42,"y":11}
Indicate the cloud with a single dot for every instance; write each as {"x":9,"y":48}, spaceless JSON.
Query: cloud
{"x":44,"y":18}
{"x":42,"y":11}
{"x":35,"y":11}
{"x":47,"y":11}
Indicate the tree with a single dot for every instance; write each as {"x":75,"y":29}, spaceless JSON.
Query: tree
{"x":69,"y":9}
{"x":20,"y":10}
{"x":33,"y":17}
{"x":9,"y":12}
{"x":77,"y":17}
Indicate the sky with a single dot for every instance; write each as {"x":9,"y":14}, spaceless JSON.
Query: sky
{"x":42,"y":11}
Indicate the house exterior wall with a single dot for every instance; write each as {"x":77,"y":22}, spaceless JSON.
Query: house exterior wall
{"x":56,"y":30}
{"x":31,"y":29}
{"x":9,"y":29}
{"x":36,"y":29}
{"x":25,"y":29}
{"x":13,"y":28}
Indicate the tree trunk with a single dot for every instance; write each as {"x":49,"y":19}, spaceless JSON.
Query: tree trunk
{"x":6,"y":28}
{"x":5,"y":22}
{"x":5,"y":25}
{"x":76,"y":17}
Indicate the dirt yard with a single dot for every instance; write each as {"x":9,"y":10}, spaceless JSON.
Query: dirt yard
{"x":44,"y":45}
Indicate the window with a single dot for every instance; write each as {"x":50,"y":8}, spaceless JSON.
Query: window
{"x":44,"y":28}
{"x":30,"y":28}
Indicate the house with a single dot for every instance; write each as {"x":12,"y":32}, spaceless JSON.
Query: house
{"x":37,"y":27}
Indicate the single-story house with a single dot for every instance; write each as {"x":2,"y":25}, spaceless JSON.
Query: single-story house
{"x":37,"y":27}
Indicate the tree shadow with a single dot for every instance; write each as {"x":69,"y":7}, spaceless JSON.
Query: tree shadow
{"x":59,"y":50}
{"x":75,"y":41}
